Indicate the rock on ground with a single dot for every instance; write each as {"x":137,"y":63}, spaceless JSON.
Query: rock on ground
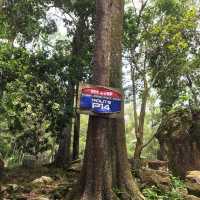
{"x":191,"y":197}
{"x":193,"y":182}
{"x":155,"y":177}
{"x":42,"y":180}
{"x":75,"y":166}
{"x":158,"y":165}
{"x":179,"y":139}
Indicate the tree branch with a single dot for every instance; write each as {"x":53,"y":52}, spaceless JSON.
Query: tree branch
{"x":150,"y":140}
{"x":155,"y":77}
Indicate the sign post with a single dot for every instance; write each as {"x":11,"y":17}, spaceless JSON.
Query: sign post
{"x":99,"y":100}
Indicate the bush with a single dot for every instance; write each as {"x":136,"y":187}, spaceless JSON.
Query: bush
{"x":154,"y":193}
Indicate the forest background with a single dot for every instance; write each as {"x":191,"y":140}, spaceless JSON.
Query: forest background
{"x":46,"y":50}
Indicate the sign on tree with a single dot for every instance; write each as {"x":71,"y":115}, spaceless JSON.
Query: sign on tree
{"x":99,"y":100}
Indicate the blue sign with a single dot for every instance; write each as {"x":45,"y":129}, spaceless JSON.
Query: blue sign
{"x":100,"y":100}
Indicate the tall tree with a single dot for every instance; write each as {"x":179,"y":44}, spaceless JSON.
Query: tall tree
{"x":105,"y":174}
{"x":81,"y":52}
{"x":137,"y":22}
{"x":79,"y":55}
{"x":79,"y":70}
{"x":159,"y":42}
{"x":123,"y":180}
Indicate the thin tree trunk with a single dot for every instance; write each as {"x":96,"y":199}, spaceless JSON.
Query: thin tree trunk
{"x":75,"y":154}
{"x":140,"y":131}
{"x":63,"y":155}
{"x":194,"y":95}
{"x":80,"y":43}
{"x":134,"y":100}
{"x":136,"y":162}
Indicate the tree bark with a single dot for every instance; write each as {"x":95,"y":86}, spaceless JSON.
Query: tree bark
{"x":106,"y":174}
{"x":80,"y":44}
{"x":94,"y":181}
{"x":75,"y":153}
{"x":194,"y":94}
{"x":140,"y":130}
{"x":63,"y":154}
{"x":122,"y":178}
{"x":134,"y":98}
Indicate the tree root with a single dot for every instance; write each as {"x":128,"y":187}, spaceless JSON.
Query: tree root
{"x":114,"y":194}
{"x":126,"y":194}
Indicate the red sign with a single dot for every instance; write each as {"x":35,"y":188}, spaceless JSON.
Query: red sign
{"x":101,"y":91}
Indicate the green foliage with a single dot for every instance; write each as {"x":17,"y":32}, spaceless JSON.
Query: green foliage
{"x":171,"y":7}
{"x":83,"y":133}
{"x":35,"y":84}
{"x":154,"y":193}
{"x":171,"y":41}
{"x":151,"y":123}
{"x":35,"y":102}
{"x":22,"y":17}
{"x":160,"y":42}
{"x":177,"y":183}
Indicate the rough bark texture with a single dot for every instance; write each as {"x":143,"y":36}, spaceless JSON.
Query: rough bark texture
{"x":122,"y":177}
{"x":106,"y":174}
{"x":94,"y":181}
{"x":179,"y":138}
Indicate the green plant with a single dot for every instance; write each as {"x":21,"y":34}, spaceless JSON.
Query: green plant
{"x":154,"y":193}
{"x":151,"y":193}
{"x":177,"y":183}
{"x":15,"y":159}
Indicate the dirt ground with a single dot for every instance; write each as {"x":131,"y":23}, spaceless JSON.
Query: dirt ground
{"x":40,"y":183}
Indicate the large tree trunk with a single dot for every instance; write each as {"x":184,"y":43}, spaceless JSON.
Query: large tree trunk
{"x":124,"y":182}
{"x":106,"y":174}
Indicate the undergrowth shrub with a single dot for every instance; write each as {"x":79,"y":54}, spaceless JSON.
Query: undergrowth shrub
{"x":155,"y":193}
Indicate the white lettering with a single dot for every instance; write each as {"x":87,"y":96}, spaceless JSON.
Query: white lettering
{"x":103,"y":101}
{"x":107,"y":107}
{"x":96,"y":105}
{"x":101,"y":106}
